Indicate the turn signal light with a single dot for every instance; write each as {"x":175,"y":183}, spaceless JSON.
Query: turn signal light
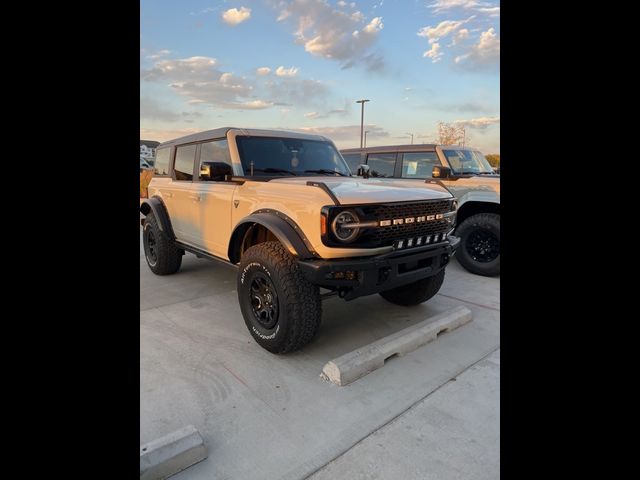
{"x":323,"y":224}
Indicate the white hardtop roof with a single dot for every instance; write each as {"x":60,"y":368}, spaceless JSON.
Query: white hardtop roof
{"x":222,"y":132}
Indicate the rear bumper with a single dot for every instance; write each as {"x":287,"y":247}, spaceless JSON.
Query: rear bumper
{"x":383,"y":272}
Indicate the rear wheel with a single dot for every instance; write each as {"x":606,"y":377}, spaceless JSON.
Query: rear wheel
{"x":479,"y":250}
{"x":416,"y":292}
{"x":281,"y":309}
{"x":161,"y":252}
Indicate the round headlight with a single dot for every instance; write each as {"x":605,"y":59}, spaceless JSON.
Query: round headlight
{"x":341,"y":228}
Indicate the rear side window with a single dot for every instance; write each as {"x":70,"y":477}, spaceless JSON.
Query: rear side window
{"x":216,"y":151}
{"x":161,"y":167}
{"x":382,"y":164}
{"x":353,"y":160}
{"x":183,"y":167}
{"x":419,"y":164}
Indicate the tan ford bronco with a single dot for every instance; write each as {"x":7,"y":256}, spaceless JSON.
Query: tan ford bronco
{"x":284,"y":208}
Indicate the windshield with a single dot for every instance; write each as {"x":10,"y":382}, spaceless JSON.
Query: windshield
{"x":289,"y":156}
{"x":467,"y":161}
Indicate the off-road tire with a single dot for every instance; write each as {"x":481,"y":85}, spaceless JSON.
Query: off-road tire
{"x":298,"y":303}
{"x":489,"y":223}
{"x":164,"y":257}
{"x":415,"y":293}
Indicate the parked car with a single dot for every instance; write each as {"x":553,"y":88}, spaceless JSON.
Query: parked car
{"x":463,"y":170}
{"x":284,"y":208}
{"x":144,"y":165}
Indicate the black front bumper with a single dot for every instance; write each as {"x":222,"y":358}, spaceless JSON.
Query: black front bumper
{"x":379,"y":273}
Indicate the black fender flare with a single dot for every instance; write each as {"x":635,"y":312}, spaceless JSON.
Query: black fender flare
{"x":282,"y":227}
{"x":156,"y":205}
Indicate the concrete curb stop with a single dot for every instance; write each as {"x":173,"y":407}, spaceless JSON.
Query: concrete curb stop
{"x":171,"y":454}
{"x":358,"y":363}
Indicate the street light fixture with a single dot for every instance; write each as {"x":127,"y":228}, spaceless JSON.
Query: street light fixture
{"x":362,"y":120}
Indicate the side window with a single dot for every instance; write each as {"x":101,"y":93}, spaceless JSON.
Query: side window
{"x":419,"y":165}
{"x":381,"y":164}
{"x":216,"y":151}
{"x":161,"y":166}
{"x":183,"y":166}
{"x":353,"y":160}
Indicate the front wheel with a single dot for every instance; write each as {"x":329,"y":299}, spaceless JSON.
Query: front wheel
{"x":416,"y":292}
{"x":479,"y":249}
{"x":281,"y":309}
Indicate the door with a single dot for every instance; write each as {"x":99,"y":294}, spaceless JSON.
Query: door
{"x":418,"y":164}
{"x":213,"y":201}
{"x":382,"y":164}
{"x":178,"y":201}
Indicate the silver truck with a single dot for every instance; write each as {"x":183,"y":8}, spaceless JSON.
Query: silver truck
{"x":466,"y":173}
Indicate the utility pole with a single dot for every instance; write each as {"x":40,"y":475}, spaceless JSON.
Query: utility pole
{"x":362,"y":120}
{"x":411,"y":137}
{"x":365,"y":138}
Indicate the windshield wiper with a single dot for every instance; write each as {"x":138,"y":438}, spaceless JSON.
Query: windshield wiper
{"x":324,"y":170}
{"x":273,"y":170}
{"x":487,"y":173}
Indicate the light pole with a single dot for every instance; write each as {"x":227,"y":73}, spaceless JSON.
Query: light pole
{"x":411,"y":137}
{"x":362,"y":120}
{"x":365,"y":138}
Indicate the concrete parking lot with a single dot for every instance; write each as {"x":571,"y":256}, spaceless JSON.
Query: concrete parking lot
{"x":433,"y":413}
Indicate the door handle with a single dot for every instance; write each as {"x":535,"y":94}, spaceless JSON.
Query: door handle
{"x":195,"y":198}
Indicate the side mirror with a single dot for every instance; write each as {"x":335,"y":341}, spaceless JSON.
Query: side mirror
{"x":441,"y":172}
{"x":215,"y":171}
{"x":364,"y":171}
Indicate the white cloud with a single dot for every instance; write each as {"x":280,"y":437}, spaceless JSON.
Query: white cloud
{"x":262,"y":71}
{"x":357,"y":16}
{"x":347,"y":135}
{"x":336,"y":111}
{"x":484,"y":55}
{"x":443,"y":5}
{"x":150,"y":109}
{"x":443,"y":29}
{"x":342,"y":3}
{"x":250,"y":105}
{"x":198,"y":79}
{"x":284,"y":14}
{"x":159,"y":54}
{"x":192,"y":68}
{"x":374,"y":26}
{"x":233,"y":16}
{"x":434,"y":53}
{"x":491,"y":11}
{"x":480,"y":123}
{"x":287,"y":91}
{"x":286,"y":72}
{"x":331,"y":33}
{"x":460,"y":36}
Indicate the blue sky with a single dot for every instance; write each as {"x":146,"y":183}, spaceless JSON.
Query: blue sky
{"x":302,"y":64}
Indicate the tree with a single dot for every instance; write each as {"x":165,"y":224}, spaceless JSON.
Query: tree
{"x":493,"y":159}
{"x":452,"y":134}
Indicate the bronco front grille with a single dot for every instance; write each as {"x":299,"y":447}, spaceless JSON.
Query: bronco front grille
{"x":402,"y":224}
